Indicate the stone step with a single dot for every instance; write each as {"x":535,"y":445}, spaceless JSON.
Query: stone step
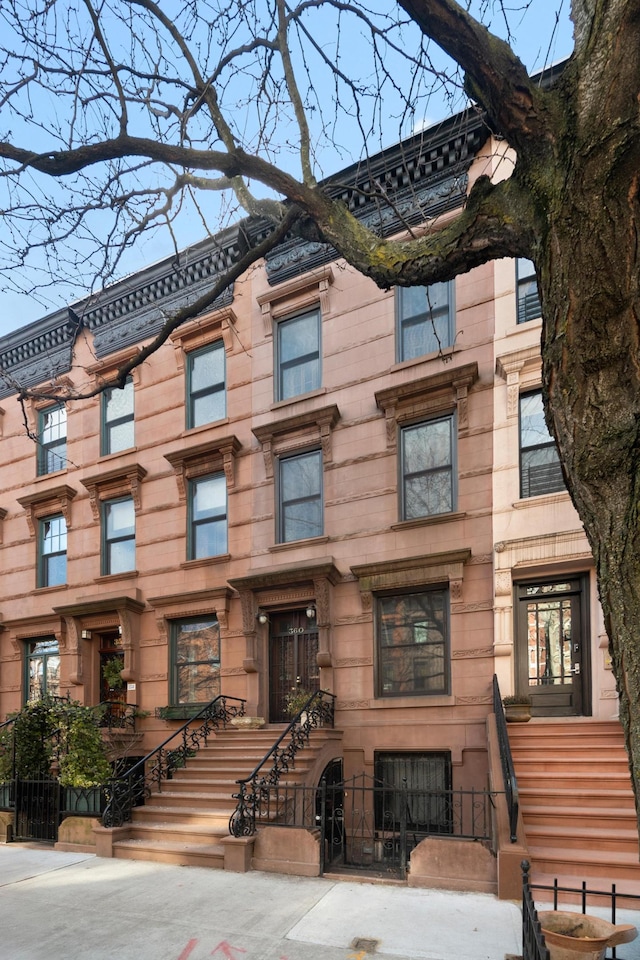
{"x":172,"y":831}
{"x":572,"y":816}
{"x":580,"y":781}
{"x":559,"y":797}
{"x":586,"y":865}
{"x":594,"y":839}
{"x":197,"y":816}
{"x":182,"y":854}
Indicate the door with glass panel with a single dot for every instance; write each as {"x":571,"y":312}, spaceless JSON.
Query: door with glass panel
{"x":293,"y":660}
{"x":553,"y":665}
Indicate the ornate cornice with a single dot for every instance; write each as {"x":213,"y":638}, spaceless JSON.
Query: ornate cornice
{"x":407,"y":184}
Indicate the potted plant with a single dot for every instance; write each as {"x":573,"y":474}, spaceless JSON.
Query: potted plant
{"x":112,"y":673}
{"x":517,"y":708}
{"x":295,"y":701}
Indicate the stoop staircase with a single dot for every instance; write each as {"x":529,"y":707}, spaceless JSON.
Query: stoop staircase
{"x":577,"y":803}
{"x":186,"y":821}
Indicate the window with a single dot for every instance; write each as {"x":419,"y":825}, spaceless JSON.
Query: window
{"x":540,"y":470}
{"x":206,"y":400}
{"x":208,"y":516}
{"x":42,"y":669}
{"x":414,"y":787}
{"x":425,"y":319}
{"x":298,"y":355}
{"x":300,"y":496}
{"x":52,"y":566}
{"x":427,"y":468}
{"x":195,"y":651}
{"x":52,"y":436}
{"x":119,"y":536}
{"x":413,"y":644}
{"x":527,"y":287}
{"x":117,"y":419}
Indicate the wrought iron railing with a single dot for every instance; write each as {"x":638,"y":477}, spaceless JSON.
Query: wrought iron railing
{"x":506,"y":760}
{"x":605,"y":901}
{"x":254,"y":792}
{"x":533,"y":945}
{"x":116,"y":715}
{"x":133,"y":787}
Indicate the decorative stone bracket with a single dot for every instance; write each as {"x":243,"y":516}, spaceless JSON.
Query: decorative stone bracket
{"x":44,"y":503}
{"x":203,"y":459}
{"x":297,"y":432}
{"x":115,"y":483}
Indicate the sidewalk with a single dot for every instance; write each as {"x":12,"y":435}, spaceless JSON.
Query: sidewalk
{"x":64,"y":906}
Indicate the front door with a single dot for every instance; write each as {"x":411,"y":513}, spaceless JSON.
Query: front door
{"x":112,"y":686}
{"x":293,"y":659}
{"x":552,"y":646}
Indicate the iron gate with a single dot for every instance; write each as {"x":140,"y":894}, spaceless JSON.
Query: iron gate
{"x":37,"y":810}
{"x":367,"y":824}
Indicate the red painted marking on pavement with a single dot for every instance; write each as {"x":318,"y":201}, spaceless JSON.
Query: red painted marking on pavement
{"x":227,"y":949}
{"x":187,"y":950}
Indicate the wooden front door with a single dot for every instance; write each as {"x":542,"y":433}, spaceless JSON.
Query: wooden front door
{"x":553,"y":663}
{"x":293,"y":659}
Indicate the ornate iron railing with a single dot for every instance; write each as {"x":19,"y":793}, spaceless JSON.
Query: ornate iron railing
{"x":133,"y":787}
{"x":115,"y":715}
{"x":508,"y":772}
{"x":254,"y":793}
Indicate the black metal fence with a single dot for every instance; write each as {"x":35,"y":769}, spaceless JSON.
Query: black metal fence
{"x":506,"y":761}
{"x":607,"y":900}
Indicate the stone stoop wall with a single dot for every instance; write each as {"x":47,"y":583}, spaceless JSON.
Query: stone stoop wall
{"x":6,"y":825}
{"x":449,"y":864}
{"x":289,"y":850}
{"x":75,"y":835}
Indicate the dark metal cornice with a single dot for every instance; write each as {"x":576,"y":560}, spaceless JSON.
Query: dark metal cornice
{"x":421,"y":177}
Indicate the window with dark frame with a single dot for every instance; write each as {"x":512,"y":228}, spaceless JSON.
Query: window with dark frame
{"x":118,"y":536}
{"x":52,"y":437}
{"x":195,"y":660}
{"x":117,"y":419}
{"x":413,"y":644}
{"x":42,"y":669}
{"x":540,"y":470}
{"x":52,"y":551}
{"x":206,"y":394}
{"x":298,"y":355}
{"x":207,"y":516}
{"x":414,"y":789}
{"x":427,"y":467}
{"x":527,"y":291}
{"x":425,"y":319}
{"x":300,"y":511}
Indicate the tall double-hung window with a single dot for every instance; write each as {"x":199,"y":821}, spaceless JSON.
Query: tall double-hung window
{"x":540,"y":470}
{"x":300,"y":496}
{"x":527,"y":291}
{"x":297,"y":365}
{"x":52,"y":551}
{"x":195,"y":660}
{"x":117,"y":419}
{"x":428,"y":468}
{"x":207,"y":516}
{"x":52,"y":437}
{"x":118,"y":536}
{"x":206,"y":394}
{"x":425,"y":317}
{"x":413,"y":644}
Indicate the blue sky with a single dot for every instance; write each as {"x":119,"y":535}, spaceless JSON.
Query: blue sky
{"x":539,"y":36}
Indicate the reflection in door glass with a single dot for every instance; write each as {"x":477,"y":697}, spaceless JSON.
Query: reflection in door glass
{"x":549,"y":641}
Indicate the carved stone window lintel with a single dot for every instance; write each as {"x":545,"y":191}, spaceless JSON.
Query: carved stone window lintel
{"x":205,"y":458}
{"x":44,"y":503}
{"x":515,"y":367}
{"x":120,"y":482}
{"x":203,"y":331}
{"x":428,"y":396}
{"x":301,"y":430}
{"x":412,"y":572}
{"x":297,"y":294}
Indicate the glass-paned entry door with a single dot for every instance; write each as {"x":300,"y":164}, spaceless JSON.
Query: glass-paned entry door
{"x":293,"y":659}
{"x":553,"y":653}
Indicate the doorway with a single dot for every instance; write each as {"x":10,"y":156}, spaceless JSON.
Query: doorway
{"x":293,"y":659}
{"x":552,"y":648}
{"x":112,"y":686}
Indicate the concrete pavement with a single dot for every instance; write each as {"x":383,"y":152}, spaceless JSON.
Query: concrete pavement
{"x":64,"y":906}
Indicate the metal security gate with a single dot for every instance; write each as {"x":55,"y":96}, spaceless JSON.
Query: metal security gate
{"x":37,"y":810}
{"x":369,"y":825}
